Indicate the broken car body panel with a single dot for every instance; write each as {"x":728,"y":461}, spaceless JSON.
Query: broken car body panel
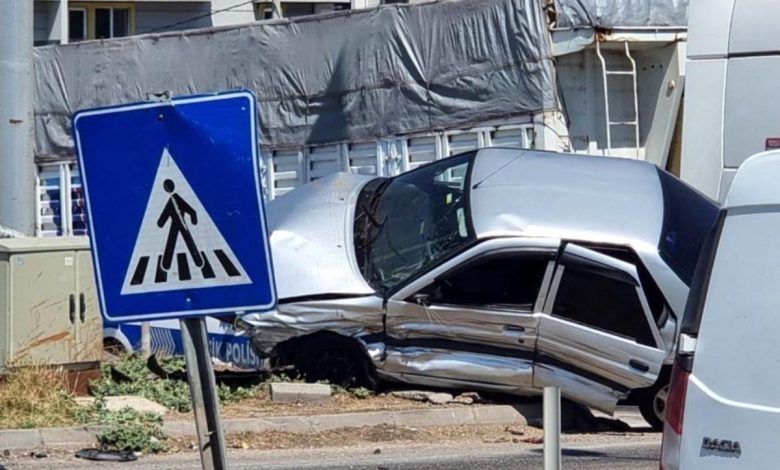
{"x":311,"y":235}
{"x":479,"y":271}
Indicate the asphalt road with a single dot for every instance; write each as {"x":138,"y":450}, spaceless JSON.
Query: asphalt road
{"x":616,"y":452}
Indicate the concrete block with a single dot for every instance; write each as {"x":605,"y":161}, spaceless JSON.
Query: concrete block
{"x":137,"y":403}
{"x":499,"y":414}
{"x":285,"y":392}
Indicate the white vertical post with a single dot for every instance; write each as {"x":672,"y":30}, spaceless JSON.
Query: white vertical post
{"x":63,"y":18}
{"x":146,"y":339}
{"x":17,"y":168}
{"x":552,"y":428}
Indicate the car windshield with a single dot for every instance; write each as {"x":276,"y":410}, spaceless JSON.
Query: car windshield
{"x":405,"y":224}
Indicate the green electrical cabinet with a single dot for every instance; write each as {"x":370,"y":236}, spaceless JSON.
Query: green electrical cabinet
{"x":49,"y":312}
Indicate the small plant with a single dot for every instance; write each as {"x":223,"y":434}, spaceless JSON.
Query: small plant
{"x":361,"y":392}
{"x":172,"y":394}
{"x":230,"y":394}
{"x":129,"y":429}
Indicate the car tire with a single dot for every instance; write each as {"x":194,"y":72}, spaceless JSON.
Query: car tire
{"x":339,"y":362}
{"x":652,"y":402}
{"x":113,"y":346}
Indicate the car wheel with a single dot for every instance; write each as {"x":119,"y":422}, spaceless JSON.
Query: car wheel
{"x":337,"y":362}
{"x":113,"y":346}
{"x":652,"y":404}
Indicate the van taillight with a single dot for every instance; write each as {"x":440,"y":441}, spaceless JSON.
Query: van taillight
{"x":675,"y":404}
{"x":675,"y":409}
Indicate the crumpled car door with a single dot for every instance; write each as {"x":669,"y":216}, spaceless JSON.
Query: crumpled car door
{"x":474,"y":319}
{"x":597,"y":338}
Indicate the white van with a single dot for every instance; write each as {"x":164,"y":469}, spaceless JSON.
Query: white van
{"x":723,"y":409}
{"x":732,"y":101}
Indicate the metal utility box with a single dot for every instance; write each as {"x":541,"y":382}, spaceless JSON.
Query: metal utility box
{"x":49,"y":312}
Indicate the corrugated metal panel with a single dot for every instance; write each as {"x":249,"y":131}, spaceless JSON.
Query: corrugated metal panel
{"x":514,"y":136}
{"x":463,"y":142}
{"x":421,"y":150}
{"x":287,"y":171}
{"x":323,"y":161}
{"x":49,"y":201}
{"x":363,"y":158}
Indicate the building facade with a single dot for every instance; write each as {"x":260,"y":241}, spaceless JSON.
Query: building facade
{"x":60,"y":21}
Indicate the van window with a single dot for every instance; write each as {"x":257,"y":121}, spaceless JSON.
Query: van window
{"x":508,"y":280}
{"x":688,"y":217}
{"x":602,"y":302}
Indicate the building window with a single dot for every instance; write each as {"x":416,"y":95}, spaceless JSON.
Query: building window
{"x":61,"y":203}
{"x":77,"y":24}
{"x":101,"y":21}
{"x":264,"y":11}
{"x":292,"y":10}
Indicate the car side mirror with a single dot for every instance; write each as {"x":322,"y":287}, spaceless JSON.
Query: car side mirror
{"x":422,"y":299}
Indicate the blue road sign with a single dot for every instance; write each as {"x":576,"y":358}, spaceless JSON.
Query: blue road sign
{"x":175,"y":207}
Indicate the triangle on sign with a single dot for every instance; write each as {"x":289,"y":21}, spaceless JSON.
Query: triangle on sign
{"x":178,"y":246}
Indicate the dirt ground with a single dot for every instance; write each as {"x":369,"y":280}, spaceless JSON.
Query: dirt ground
{"x":372,"y":435}
{"x":261,"y":405}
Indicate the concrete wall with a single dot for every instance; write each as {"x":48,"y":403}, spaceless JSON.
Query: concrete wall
{"x":238,"y":15}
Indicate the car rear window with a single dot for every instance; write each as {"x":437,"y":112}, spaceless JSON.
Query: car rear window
{"x":688,"y":218}
{"x":701,"y":280}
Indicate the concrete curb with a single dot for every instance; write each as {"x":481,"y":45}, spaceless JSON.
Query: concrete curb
{"x":450,"y":416}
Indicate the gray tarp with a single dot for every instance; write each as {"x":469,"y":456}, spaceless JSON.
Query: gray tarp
{"x":338,"y":77}
{"x":622,"y":13}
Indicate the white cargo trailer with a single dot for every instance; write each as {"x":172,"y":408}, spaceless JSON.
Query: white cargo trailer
{"x":619,"y":90}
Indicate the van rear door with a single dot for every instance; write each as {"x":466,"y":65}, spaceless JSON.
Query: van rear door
{"x":732,"y":405}
{"x":597,"y":338}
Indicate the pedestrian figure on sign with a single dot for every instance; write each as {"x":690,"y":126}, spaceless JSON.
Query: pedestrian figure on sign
{"x":175,"y":210}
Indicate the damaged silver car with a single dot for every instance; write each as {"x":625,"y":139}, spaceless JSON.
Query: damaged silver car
{"x":500,"y":270}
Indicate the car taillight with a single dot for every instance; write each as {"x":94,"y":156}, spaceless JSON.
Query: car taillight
{"x":675,"y":409}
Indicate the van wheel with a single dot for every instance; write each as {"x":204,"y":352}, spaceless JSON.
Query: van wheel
{"x":652,"y":404}
{"x":338,"y":362}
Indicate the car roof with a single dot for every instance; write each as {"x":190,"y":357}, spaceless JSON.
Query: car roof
{"x":538,"y":193}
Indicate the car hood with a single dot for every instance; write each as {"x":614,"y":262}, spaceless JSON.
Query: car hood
{"x":311,"y":239}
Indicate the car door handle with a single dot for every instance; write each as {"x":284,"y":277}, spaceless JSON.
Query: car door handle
{"x":638,"y":365}
{"x":515,"y":328}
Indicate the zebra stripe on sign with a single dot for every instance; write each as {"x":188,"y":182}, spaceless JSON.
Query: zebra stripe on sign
{"x":184,"y":271}
{"x":178,"y":244}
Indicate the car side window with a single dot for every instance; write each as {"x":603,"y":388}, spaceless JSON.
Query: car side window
{"x":509,"y":280}
{"x":603,"y":302}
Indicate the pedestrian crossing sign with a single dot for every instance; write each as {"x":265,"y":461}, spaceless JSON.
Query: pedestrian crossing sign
{"x":175,"y":207}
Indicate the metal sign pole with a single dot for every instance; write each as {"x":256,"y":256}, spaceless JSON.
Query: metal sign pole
{"x":552,"y":428}
{"x":203,"y":386}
